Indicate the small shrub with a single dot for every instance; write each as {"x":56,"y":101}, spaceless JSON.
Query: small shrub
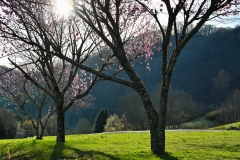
{"x":114,"y":123}
{"x":83,"y":126}
{"x":192,"y":126}
{"x":212,"y":116}
{"x":197,"y":127}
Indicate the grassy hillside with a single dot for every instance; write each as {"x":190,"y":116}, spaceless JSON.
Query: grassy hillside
{"x":223,"y":127}
{"x":179,"y":145}
{"x":199,"y":123}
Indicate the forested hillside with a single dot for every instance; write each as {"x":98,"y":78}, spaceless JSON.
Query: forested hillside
{"x":210,"y":59}
{"x":200,"y":61}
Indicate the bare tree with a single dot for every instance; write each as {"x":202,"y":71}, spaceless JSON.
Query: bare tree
{"x":83,"y":126}
{"x":207,"y":30}
{"x":229,"y":111}
{"x":220,"y":86}
{"x":51,"y":127}
{"x":131,"y":106}
{"x":181,"y":108}
{"x":28,"y":127}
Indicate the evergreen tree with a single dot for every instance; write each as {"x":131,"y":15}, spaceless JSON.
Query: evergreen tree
{"x":100,"y":121}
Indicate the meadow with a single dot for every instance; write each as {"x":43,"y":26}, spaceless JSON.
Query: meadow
{"x":179,"y":145}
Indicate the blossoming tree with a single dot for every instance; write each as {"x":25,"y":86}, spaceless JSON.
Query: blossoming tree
{"x":191,"y":15}
{"x":30,"y":32}
{"x":28,"y":99}
{"x":104,"y":17}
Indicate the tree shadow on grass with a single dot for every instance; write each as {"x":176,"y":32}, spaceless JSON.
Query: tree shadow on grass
{"x":59,"y":147}
{"x":3,"y":150}
{"x":166,"y":156}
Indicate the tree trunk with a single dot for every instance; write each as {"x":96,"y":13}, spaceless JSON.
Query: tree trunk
{"x":42,"y":131}
{"x":37,"y":130}
{"x":157,"y":129}
{"x":158,"y":132}
{"x":157,"y":140}
{"x":37,"y":134}
{"x":60,"y":125}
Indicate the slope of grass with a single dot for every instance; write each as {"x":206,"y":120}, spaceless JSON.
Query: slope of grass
{"x":179,"y":145}
{"x":224,"y":127}
{"x":199,"y":123}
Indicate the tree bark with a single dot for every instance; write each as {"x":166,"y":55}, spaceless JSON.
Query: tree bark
{"x":157,"y":133}
{"x":157,"y":140}
{"x":37,"y":134}
{"x":157,"y":125}
{"x":60,"y":125}
{"x":37,"y":130}
{"x":162,"y":117}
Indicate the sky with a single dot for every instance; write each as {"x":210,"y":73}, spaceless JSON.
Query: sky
{"x":4,"y":62}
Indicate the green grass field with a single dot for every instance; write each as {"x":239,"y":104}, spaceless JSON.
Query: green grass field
{"x":179,"y":145}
